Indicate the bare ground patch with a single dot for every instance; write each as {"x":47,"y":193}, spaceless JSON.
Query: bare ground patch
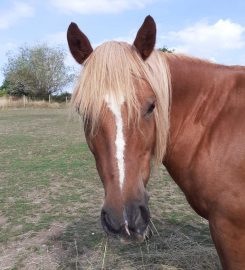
{"x":3,"y":220}
{"x":31,"y":251}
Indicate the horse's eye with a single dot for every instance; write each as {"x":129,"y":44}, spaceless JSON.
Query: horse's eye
{"x":151,"y":108}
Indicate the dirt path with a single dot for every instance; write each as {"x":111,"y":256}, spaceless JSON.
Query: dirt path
{"x":33,"y":251}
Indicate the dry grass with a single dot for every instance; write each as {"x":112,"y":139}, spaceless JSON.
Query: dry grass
{"x":50,"y":198}
{"x":8,"y":102}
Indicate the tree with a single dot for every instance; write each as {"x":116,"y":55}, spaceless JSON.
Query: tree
{"x":37,"y":71}
{"x":166,"y":49}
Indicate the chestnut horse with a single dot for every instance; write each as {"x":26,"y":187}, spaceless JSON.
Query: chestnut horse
{"x":139,"y":104}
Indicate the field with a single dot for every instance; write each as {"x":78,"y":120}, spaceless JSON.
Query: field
{"x":50,"y":200}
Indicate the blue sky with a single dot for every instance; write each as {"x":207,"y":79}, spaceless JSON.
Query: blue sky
{"x":210,"y":29}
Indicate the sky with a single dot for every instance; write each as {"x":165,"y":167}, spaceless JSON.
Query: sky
{"x":209,"y":29}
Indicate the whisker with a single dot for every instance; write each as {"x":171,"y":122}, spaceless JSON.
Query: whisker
{"x":104,"y":255}
{"x":152,"y":232}
{"x":142,"y":258}
{"x":126,"y":227}
{"x":154,"y":227}
{"x":75,"y":243}
{"x":147,"y":245}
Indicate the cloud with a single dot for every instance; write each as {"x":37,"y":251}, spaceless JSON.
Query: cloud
{"x":208,"y":40}
{"x":11,"y":16}
{"x":95,"y":6}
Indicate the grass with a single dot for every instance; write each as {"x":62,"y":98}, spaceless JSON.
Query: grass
{"x":50,"y":199}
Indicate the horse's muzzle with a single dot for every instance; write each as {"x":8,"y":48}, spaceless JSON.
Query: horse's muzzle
{"x":130,"y":225}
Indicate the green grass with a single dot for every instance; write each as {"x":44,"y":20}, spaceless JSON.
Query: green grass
{"x":50,"y":199}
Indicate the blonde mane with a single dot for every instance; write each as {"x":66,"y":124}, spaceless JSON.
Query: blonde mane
{"x":111,"y":70}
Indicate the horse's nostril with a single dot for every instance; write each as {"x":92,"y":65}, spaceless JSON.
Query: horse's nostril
{"x":108,"y":224}
{"x":105,"y":221}
{"x":140,"y":220}
{"x":145,"y":214}
{"x":105,"y":217}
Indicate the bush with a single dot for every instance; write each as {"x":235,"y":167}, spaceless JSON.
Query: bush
{"x":3,"y":92}
{"x":4,"y":89}
{"x":62,"y":97}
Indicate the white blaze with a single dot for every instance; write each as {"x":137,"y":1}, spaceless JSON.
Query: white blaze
{"x":119,"y":141}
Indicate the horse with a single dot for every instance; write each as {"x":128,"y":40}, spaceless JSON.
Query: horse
{"x":142,"y":107}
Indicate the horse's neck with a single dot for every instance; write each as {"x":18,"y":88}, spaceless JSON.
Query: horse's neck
{"x":196,"y":101}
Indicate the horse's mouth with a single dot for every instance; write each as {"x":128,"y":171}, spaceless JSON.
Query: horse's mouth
{"x":128,"y":236}
{"x":129,"y":240}
{"x":134,"y":237}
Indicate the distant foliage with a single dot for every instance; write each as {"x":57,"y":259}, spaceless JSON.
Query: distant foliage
{"x":37,"y":71}
{"x":3,"y":89}
{"x":63,"y":97}
{"x":166,"y":49}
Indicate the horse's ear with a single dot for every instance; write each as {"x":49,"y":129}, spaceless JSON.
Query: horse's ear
{"x":79,"y":44}
{"x":146,"y":37}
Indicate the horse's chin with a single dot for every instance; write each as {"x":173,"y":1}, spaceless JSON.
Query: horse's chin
{"x":135,"y":237}
{"x":126,"y":240}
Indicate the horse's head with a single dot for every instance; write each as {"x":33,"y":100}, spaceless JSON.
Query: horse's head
{"x":125,"y":124}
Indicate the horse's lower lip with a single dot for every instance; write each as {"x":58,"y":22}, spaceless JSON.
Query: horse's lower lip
{"x":132,"y":238}
{"x":129,"y":240}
